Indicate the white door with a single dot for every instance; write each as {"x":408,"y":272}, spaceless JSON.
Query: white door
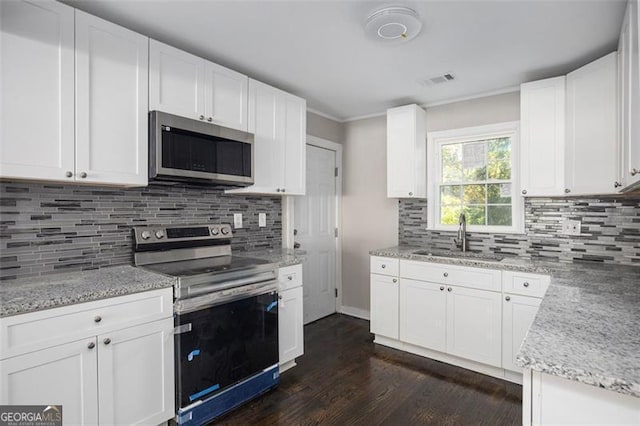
{"x":474,"y":325}
{"x":385,"y":296}
{"x":518,"y":313}
{"x":226,"y":97}
{"x":136,"y":374}
{"x":423,"y":309}
{"x":176,"y":81}
{"x":111,"y":103}
{"x":290,"y":327}
{"x":63,"y":375}
{"x":315,"y":225}
{"x":36,"y":81}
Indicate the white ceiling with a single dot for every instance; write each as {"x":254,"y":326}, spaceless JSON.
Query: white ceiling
{"x":318,"y":49}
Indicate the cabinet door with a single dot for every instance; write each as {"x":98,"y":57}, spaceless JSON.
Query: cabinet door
{"x":423,"y":308}
{"x":225,"y":97}
{"x":518,"y":313}
{"x":136,"y":374}
{"x":474,"y":325}
{"x":36,"y":77}
{"x":406,"y":152}
{"x":63,"y":375}
{"x":592,"y":128}
{"x":385,"y":296}
{"x":290,"y":325}
{"x":111,"y":103}
{"x":542,"y":137}
{"x":176,"y":81}
{"x":628,"y":50}
{"x":295,"y":139}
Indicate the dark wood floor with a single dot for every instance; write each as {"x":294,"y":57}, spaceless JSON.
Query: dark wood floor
{"x":346,"y":379}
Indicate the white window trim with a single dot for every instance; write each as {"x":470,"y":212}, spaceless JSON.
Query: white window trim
{"x":437,"y":139}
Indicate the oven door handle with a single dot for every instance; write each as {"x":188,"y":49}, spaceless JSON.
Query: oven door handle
{"x":183,"y":306}
{"x":255,"y":278}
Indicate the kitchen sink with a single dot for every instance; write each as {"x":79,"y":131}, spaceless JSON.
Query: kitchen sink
{"x":460,"y":255}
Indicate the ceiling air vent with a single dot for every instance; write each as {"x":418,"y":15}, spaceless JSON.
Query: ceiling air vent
{"x":439,"y":79}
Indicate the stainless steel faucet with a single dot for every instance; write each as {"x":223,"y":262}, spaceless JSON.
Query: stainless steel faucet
{"x":462,"y":233}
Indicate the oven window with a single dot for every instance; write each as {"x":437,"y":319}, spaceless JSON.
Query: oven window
{"x":227,"y":344}
{"x":186,"y":150}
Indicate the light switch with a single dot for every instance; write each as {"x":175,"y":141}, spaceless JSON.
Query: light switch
{"x":237,"y":220}
{"x":262,"y":220}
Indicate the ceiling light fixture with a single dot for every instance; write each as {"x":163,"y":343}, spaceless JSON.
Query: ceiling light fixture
{"x":393,"y":24}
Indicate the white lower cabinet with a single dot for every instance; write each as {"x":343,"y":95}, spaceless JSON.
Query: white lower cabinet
{"x":290,"y":316}
{"x":423,"y":308}
{"x":518,"y":313}
{"x":113,"y":372}
{"x":384,"y":305}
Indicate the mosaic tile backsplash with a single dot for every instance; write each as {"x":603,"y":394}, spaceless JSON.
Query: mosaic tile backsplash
{"x":48,"y":228}
{"x":610,"y":230}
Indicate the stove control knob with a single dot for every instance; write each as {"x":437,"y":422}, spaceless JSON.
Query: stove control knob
{"x":225,"y":231}
{"x":215,"y":231}
{"x":145,"y":235}
{"x":159,"y":234}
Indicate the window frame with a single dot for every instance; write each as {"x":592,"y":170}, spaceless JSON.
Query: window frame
{"x":435,"y":140}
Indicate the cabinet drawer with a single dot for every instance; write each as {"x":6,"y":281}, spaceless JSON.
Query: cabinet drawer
{"x":290,"y":277}
{"x":525,"y":284}
{"x":462,"y":276}
{"x":42,"y":329}
{"x":384,"y":265}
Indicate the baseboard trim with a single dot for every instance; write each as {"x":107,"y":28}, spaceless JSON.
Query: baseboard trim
{"x":355,"y":312}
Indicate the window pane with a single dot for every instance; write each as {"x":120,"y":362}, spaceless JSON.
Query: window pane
{"x":474,"y":194}
{"x":499,"y":193}
{"x":499,"y":158}
{"x":451,"y":194}
{"x":474,"y":161}
{"x":499,"y":215}
{"x":475,"y":215}
{"x":449,"y":215}
{"x":451,"y":163}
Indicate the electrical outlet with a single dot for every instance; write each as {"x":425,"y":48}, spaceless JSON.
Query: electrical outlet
{"x":571,"y":227}
{"x":237,"y":220}
{"x":262,"y":220}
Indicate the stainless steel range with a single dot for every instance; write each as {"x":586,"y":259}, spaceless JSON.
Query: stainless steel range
{"x":226,"y":317}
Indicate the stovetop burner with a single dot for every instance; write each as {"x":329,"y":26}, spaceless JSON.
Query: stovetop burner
{"x":208,"y":265}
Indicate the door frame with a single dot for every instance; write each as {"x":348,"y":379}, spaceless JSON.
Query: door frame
{"x":288,"y":212}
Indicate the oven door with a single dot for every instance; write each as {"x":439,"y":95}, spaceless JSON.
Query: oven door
{"x":221,"y":344}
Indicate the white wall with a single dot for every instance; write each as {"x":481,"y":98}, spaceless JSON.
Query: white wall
{"x":370,"y":219}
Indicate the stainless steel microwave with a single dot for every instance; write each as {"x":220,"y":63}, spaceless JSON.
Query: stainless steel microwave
{"x":182,"y":149}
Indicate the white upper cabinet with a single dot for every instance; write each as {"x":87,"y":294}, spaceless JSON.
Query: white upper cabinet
{"x":183,"y":84}
{"x":542,"y":137}
{"x":111,"y":103}
{"x":36,"y":77}
{"x":406,"y":152}
{"x":279,"y":122}
{"x":591,"y":157}
{"x":629,"y":86}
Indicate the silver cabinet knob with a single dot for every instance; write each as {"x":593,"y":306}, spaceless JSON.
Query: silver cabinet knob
{"x":395,"y":280}
{"x":634,"y":172}
{"x":282,"y":190}
{"x":617,"y":184}
{"x":277,"y":189}
{"x":446,"y":274}
{"x":524,"y":192}
{"x":68,"y":174}
{"x":290,"y":278}
{"x":507,"y":298}
{"x":210,"y":119}
{"x":449,"y":289}
{"x":97,"y":318}
{"x":411,"y":194}
{"x":201,"y":117}
{"x":441,"y":288}
{"x":280,"y":296}
{"x":567,"y":190}
{"x":106,"y":341}
{"x":91,"y":345}
{"x":83,"y":175}
{"x":383,"y":266}
{"x":526,"y":284}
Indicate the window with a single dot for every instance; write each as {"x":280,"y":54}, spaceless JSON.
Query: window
{"x":474,"y":170}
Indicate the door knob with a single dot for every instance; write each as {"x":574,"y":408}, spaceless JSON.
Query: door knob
{"x":296,"y":245}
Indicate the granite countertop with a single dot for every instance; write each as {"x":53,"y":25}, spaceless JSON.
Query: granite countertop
{"x":588,"y":326}
{"x":281,"y":257}
{"x":52,"y":291}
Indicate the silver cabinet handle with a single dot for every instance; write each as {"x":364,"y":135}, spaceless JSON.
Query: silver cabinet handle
{"x":383,"y":266}
{"x":507,"y":298}
{"x":526,"y":284}
{"x":107,"y":341}
{"x":524,"y":192}
{"x":446,"y":274}
{"x":617,"y":184}
{"x":83,"y":175}
{"x":68,"y":174}
{"x":567,"y":190}
{"x":201,"y":117}
{"x":98,"y":318}
{"x":449,"y":289}
{"x":91,"y":345}
{"x":634,"y":172}
{"x":441,"y":288}
{"x":210,"y":119}
{"x":395,"y":280}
